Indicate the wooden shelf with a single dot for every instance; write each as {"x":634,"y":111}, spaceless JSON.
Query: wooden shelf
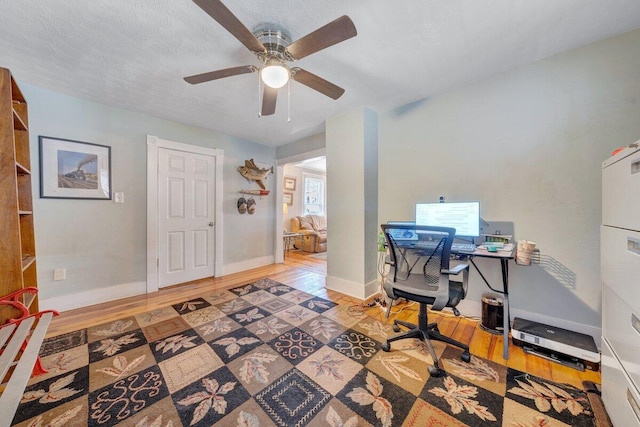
{"x":27,"y":262}
{"x":21,"y":170}
{"x":18,"y":123}
{"x":16,"y":93}
{"x":21,"y":142}
{"x":18,"y":261}
{"x":29,"y":299}
{"x":255,"y":192}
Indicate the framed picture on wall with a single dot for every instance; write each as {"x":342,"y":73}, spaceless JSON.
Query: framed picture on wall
{"x":287,"y":198}
{"x":289,"y":184}
{"x":74,"y":169}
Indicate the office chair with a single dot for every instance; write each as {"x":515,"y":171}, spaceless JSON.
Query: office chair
{"x":419,"y":259}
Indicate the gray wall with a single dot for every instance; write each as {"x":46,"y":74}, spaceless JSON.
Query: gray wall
{"x":352,"y":201}
{"x":103,"y":244}
{"x":302,"y":146}
{"x":528,"y":144}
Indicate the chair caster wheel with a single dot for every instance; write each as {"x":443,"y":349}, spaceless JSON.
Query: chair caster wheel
{"x":386,"y":346}
{"x":466,"y":357}
{"x":435,"y":372}
{"x":396,"y":328}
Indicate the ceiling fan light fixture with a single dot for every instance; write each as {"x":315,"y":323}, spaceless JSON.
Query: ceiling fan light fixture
{"x":275,"y":74}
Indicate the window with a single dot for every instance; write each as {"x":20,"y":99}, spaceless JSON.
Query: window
{"x":313,"y":202}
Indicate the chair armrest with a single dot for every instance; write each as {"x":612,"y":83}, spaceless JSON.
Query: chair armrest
{"x":457,"y":269}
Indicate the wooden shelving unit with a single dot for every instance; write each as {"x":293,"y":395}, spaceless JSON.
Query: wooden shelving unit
{"x":17,"y":245}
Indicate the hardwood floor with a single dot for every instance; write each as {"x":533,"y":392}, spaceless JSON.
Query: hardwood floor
{"x":306,"y":260}
{"x":308,"y":274}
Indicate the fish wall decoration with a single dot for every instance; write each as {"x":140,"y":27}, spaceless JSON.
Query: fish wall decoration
{"x":252,"y":172}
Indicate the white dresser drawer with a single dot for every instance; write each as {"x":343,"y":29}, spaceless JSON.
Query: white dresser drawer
{"x":621,"y":328}
{"x":621,"y":190}
{"x":620,"y":263}
{"x":619,"y":396}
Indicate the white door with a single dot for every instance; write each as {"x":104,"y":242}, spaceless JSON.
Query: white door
{"x":186,"y":200}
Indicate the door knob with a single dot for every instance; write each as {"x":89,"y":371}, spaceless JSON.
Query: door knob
{"x":211,"y":224}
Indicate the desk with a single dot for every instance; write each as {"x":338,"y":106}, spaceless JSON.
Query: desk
{"x":286,"y":241}
{"x":504,"y":258}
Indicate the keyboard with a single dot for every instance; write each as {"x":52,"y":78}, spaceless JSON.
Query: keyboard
{"x":425,"y":244}
{"x":456,"y":247}
{"x":467,"y":247}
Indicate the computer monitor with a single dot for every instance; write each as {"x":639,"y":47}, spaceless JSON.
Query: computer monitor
{"x":402,"y":234}
{"x":463,"y":216}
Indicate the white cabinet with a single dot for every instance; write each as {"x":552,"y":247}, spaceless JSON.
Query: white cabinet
{"x":621,"y":189}
{"x":621,"y":327}
{"x":620,"y":397}
{"x":620,"y":270}
{"x":620,"y":258}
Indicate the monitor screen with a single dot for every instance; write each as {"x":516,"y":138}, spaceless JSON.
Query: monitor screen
{"x":463,"y":216}
{"x":400,"y":233}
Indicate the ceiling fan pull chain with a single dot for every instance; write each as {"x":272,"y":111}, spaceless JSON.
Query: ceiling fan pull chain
{"x":259,"y":97}
{"x":289,"y":101}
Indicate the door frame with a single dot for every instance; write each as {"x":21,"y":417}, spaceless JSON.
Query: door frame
{"x":153,"y":145}
{"x":280,"y":164}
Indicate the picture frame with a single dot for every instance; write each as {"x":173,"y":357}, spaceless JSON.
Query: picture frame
{"x":74,"y":169}
{"x":287,"y":198}
{"x":289,"y":184}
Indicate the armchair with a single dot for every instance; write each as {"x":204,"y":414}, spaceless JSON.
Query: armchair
{"x":419,"y":259}
{"x":314,"y":232}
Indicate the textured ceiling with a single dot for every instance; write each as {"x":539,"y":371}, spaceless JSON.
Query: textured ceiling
{"x":134,"y":53}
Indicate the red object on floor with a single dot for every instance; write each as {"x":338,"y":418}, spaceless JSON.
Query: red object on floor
{"x":13,"y":300}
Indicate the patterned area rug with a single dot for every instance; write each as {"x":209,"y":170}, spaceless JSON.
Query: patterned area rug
{"x":266,"y":354}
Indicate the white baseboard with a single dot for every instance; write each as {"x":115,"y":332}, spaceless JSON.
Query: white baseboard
{"x":237,"y":267}
{"x":353,"y":289}
{"x":471,"y":308}
{"x":93,"y":296}
{"x":125,"y":290}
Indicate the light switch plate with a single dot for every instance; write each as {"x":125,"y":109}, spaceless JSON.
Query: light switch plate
{"x":59,"y":274}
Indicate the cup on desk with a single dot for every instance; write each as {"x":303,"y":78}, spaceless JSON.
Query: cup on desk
{"x":525,"y":249}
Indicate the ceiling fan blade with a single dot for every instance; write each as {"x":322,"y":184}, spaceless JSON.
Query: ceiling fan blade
{"x":334,"y":32}
{"x":219,"y":74}
{"x":316,"y":83}
{"x":269,"y":101}
{"x":228,"y":20}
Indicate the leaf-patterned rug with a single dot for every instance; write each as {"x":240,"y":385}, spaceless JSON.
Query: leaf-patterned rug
{"x":266,"y":354}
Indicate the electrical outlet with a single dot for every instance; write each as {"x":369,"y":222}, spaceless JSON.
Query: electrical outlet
{"x":59,"y":274}
{"x":118,"y":197}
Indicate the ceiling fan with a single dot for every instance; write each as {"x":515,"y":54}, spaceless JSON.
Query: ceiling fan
{"x":274,"y":49}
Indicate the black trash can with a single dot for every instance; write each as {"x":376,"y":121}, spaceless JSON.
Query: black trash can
{"x":492,"y":313}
